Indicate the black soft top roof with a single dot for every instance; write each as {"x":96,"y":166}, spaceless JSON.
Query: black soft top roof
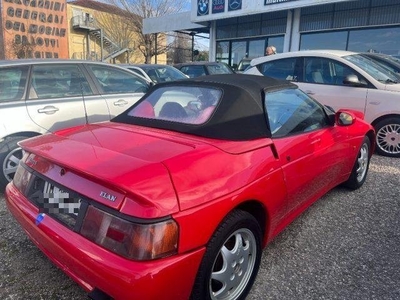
{"x":239,"y":115}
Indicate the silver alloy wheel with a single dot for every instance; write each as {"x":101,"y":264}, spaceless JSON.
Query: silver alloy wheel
{"x":362,"y":162}
{"x":388,"y":138}
{"x":233,"y":266}
{"x":11,"y":163}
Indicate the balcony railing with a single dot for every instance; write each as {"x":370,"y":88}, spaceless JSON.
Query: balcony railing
{"x":89,"y":24}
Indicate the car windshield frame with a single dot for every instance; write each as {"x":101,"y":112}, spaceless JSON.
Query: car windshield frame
{"x":372,"y":68}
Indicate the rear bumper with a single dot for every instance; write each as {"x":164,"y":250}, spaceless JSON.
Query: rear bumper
{"x":94,"y":267}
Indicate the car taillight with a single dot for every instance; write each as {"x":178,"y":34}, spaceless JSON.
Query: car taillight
{"x":21,"y":179}
{"x":132,"y":240}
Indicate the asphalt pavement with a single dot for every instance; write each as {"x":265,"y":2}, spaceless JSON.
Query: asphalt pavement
{"x":346,"y":246}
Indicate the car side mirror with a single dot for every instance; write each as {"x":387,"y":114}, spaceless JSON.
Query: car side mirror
{"x":353,"y":80}
{"x":344,"y":118}
{"x":330,"y":112}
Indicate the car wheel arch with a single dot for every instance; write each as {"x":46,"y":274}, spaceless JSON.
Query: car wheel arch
{"x":238,"y":224}
{"x":9,"y":152}
{"x":387,"y":130}
{"x":27,"y":134}
{"x":371,"y":135}
{"x":259,"y":212}
{"x":383,"y":117}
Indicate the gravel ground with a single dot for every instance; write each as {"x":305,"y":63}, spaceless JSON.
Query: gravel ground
{"x":346,"y":246}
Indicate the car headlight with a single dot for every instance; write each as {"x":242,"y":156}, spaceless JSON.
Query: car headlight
{"x":129,"y":239}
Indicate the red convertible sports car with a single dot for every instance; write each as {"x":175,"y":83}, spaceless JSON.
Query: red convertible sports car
{"x":176,"y":197}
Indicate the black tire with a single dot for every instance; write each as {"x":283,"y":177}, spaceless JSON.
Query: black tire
{"x":361,"y":165}
{"x":10,"y":155}
{"x":388,"y":137}
{"x":242,"y":265}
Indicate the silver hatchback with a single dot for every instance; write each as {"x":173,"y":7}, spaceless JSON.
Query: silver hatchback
{"x":41,"y":96}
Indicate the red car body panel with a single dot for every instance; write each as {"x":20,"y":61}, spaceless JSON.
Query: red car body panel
{"x":129,"y":172}
{"x":237,"y":179}
{"x":194,"y":180}
{"x":92,"y":266}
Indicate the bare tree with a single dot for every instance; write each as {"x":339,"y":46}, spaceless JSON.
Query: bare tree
{"x":137,"y":10}
{"x":117,"y":26}
{"x":19,"y":48}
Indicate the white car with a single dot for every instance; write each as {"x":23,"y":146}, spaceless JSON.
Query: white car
{"x":343,"y":79}
{"x":41,"y":96}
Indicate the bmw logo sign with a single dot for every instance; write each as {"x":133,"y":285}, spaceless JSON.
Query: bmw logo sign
{"x":202,"y":7}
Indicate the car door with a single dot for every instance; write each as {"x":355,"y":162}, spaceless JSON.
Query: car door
{"x":323,"y":80}
{"x":120,"y":88}
{"x":13,"y":114}
{"x":313,"y":153}
{"x":61,"y":96}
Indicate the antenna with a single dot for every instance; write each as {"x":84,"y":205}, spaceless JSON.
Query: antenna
{"x":84,"y":104}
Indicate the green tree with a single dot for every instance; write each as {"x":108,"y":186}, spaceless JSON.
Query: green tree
{"x":203,"y":56}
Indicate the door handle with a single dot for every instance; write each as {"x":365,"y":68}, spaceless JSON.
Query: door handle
{"x":121,"y":102}
{"x":48,"y":110}
{"x":316,"y":141}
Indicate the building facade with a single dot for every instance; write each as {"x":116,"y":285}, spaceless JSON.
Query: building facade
{"x":81,"y":29}
{"x":99,"y":31}
{"x":241,"y":28}
{"x":33,"y":29}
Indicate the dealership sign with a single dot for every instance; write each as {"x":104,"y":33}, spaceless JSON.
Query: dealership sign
{"x":207,"y":10}
{"x":235,"y":5}
{"x":202,"y":7}
{"x":267,"y":2}
{"x":218,"y":6}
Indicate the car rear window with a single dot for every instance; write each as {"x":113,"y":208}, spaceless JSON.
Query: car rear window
{"x":188,"y":105}
{"x":219,"y":69}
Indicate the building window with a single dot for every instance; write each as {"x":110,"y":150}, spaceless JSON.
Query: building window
{"x":238,"y":52}
{"x":222,"y":54}
{"x":350,"y":14}
{"x":226,"y":32}
{"x":256,"y":48}
{"x":324,"y":40}
{"x":382,"y":40}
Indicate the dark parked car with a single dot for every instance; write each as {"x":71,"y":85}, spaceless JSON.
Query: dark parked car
{"x":157,"y":73}
{"x":201,"y":68}
{"x":41,"y":96}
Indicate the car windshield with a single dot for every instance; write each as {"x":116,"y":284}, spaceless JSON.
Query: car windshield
{"x":378,"y":72}
{"x":181,"y":104}
{"x":219,"y":69}
{"x":386,"y":63}
{"x":394,"y":58}
{"x":163,"y":73}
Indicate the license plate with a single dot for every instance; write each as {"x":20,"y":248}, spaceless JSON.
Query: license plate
{"x":58,"y":201}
